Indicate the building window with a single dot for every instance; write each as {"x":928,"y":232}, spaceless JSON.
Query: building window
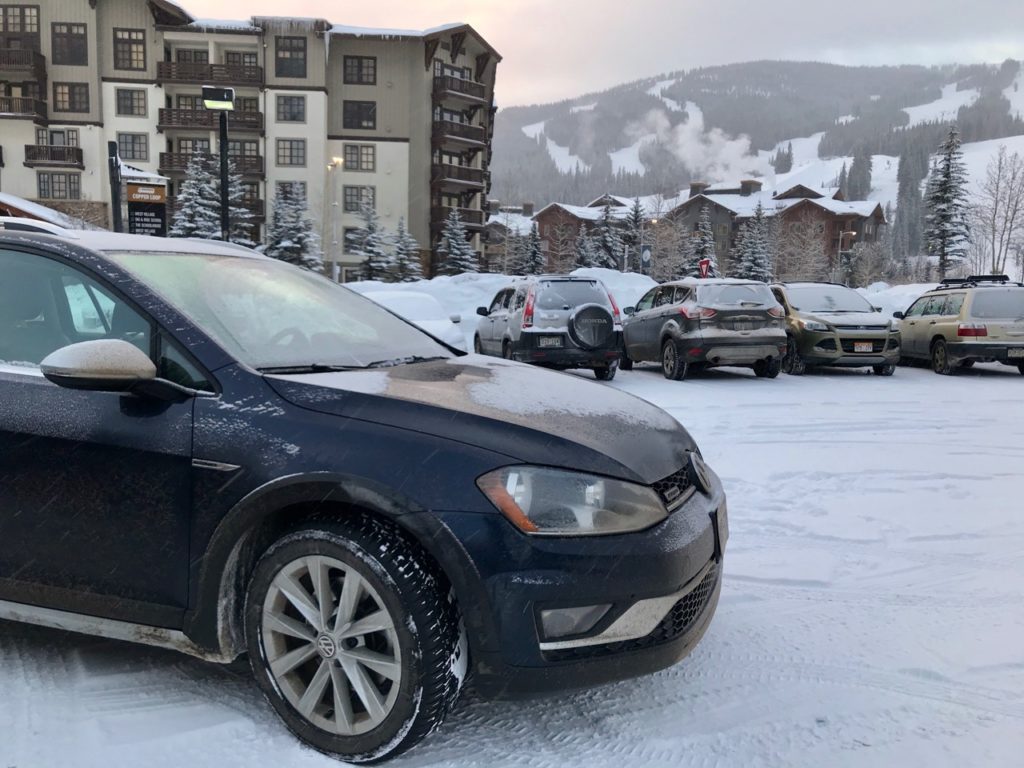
{"x":192,"y":56}
{"x":360,"y":115}
{"x":360,"y":157}
{"x":291,"y":56}
{"x":243,"y":148}
{"x":291,"y":109}
{"x":291,"y":151}
{"x":297,"y":189}
{"x":70,"y":44}
{"x":60,"y":137}
{"x":247,"y":104}
{"x":250,"y":191}
{"x":60,"y":186}
{"x":130,"y":49}
{"x":193,"y":146}
{"x":354,"y":196}
{"x":360,"y":70}
{"x":188,"y":101}
{"x":240,"y":59}
{"x":350,"y":242}
{"x":19,"y":18}
{"x":133,"y":146}
{"x":70,"y":97}
{"x":131,"y":102}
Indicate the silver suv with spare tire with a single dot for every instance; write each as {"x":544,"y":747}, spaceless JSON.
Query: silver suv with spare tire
{"x":558,"y":321}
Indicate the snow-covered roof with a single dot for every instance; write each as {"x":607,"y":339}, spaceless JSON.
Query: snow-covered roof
{"x":130,"y":172}
{"x":744,"y":206}
{"x":233,"y":25}
{"x":36,"y":211}
{"x":862,"y":208}
{"x":346,"y":29}
{"x":586,"y":213}
{"x":516,"y":223}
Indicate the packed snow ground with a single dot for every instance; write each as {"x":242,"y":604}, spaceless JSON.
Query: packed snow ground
{"x":871,"y":613}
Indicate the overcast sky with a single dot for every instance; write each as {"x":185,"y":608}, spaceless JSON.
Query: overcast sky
{"x":555,"y":49}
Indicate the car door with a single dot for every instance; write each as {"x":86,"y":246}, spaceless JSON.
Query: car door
{"x":913,"y":328}
{"x":662,"y":310}
{"x":499,"y":316}
{"x":94,"y":486}
{"x":485,"y":328}
{"x":633,"y":328}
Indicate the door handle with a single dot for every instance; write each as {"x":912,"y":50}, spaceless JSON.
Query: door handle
{"x":933,"y":322}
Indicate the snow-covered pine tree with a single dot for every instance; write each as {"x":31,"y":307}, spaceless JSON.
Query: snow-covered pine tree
{"x":198,"y":203}
{"x":843,"y":181}
{"x":947,"y":228}
{"x":634,"y":232}
{"x":407,"y":265}
{"x":688,"y":263}
{"x":242,"y":224}
{"x":372,"y":244}
{"x":290,"y":236}
{"x":704,"y":242}
{"x":754,"y":251}
{"x":455,"y":252}
{"x":609,"y":248}
{"x":533,"y":261}
{"x":583,"y":250}
{"x":858,"y":181}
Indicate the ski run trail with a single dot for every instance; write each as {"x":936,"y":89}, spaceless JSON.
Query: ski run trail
{"x":872,"y":611}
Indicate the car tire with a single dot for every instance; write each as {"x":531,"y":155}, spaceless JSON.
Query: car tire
{"x":673,"y":365}
{"x":478,"y":348}
{"x":506,"y":350}
{"x":768,"y":369}
{"x":887,"y":369}
{"x":792,"y":363}
{"x":607,"y":373}
{"x":625,"y":363}
{"x":359,"y":696}
{"x":965,"y":364}
{"x":940,"y":359}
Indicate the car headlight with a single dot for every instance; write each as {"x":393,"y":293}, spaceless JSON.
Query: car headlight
{"x":554,"y":502}
{"x":814,"y":325}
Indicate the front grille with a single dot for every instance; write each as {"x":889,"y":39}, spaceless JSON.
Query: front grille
{"x":677,"y":622}
{"x":877,"y":345}
{"x":674,"y":487}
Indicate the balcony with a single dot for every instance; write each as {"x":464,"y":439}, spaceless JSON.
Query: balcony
{"x":16,"y":106}
{"x":257,"y":208}
{"x":471,"y":217}
{"x":209,"y":74}
{"x":207,"y":119}
{"x":458,"y":176}
{"x":449,"y":132}
{"x":457,"y":89}
{"x":16,"y":63}
{"x":251,"y":165}
{"x":51,"y":155}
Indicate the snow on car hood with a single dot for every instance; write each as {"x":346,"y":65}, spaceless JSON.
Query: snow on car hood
{"x":527,"y":413}
{"x":871,"y":319}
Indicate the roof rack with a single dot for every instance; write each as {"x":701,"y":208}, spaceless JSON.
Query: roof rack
{"x":977,"y":279}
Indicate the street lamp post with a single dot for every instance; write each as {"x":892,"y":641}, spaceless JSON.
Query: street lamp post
{"x":222,"y":100}
{"x":334,"y":165}
{"x":839,"y":253}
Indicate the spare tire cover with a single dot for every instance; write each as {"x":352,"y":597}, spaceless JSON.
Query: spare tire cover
{"x":591,"y":326}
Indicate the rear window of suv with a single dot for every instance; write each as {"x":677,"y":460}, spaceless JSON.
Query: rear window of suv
{"x":559,"y":294}
{"x":1005,"y":304}
{"x":735,"y":295}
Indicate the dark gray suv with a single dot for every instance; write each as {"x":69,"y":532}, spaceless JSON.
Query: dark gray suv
{"x":699,"y":323}
{"x":558,"y":321}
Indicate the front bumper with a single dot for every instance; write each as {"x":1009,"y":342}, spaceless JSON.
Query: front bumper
{"x":568,"y":355}
{"x":663,"y":585}
{"x":839,"y":349}
{"x":1006,"y":352}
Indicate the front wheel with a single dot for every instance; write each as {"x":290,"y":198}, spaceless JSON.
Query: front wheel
{"x":887,"y":369}
{"x":940,"y":359}
{"x":673,"y":365}
{"x":353,"y":638}
{"x":506,"y":350}
{"x":792,"y":363}
{"x":625,"y":363}
{"x":607,"y":372}
{"x":767,"y":369}
{"x":478,"y":347}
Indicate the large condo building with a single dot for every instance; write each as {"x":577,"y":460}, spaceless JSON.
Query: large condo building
{"x":403,"y":118}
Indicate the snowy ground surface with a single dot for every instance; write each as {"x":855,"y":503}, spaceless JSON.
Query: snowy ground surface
{"x":871,"y":612}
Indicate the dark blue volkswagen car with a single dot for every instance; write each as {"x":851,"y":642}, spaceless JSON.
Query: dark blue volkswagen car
{"x":213,"y":451}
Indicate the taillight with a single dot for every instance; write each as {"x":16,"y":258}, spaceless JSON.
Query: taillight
{"x":776,"y":312}
{"x":691,"y":313}
{"x":528,"y":310}
{"x":615,"y":307}
{"x":972,"y":329}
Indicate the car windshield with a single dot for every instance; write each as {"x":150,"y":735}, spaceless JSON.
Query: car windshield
{"x":827,"y":298}
{"x":271,"y":315}
{"x":735,"y":295}
{"x":558,"y":294}
{"x":1004,"y":304}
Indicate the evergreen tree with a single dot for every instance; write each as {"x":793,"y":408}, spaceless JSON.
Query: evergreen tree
{"x":241,"y":218}
{"x":609,"y":247}
{"x":858,"y":182}
{"x":947,"y":232}
{"x":407,"y":267}
{"x":906,"y":226}
{"x":842,"y":182}
{"x":753,"y":252}
{"x":704,"y":242}
{"x":198,"y":199}
{"x":372,"y":244}
{"x":290,"y":236}
{"x":533,"y":261}
{"x":583,"y":250}
{"x":455,"y":252}
{"x":634,"y":230}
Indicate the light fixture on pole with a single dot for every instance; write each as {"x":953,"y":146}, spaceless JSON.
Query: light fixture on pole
{"x":840,"y":263}
{"x":222,"y":100}
{"x":335,"y":164}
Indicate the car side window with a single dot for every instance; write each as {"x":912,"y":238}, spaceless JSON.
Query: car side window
{"x":663,"y":296}
{"x":917,"y":308}
{"x":519,"y":300}
{"x":935,"y":305}
{"x":647,"y":301}
{"x":954,"y":303}
{"x":498,"y":301}
{"x":173,"y":365}
{"x":507,"y":302}
{"x":682,"y":294}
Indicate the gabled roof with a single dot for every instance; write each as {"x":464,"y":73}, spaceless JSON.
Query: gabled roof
{"x":797,"y":190}
{"x":432,"y":33}
{"x":516,"y":223}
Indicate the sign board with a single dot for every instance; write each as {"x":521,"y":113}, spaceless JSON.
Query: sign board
{"x":705,"y":267}
{"x":147,"y":193}
{"x":147,"y":219}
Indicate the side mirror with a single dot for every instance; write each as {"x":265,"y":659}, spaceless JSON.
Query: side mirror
{"x":877,"y":309}
{"x":629,"y":311}
{"x":455,"y":318}
{"x":898,"y":315}
{"x":104,"y":365}
{"x":483,"y":311}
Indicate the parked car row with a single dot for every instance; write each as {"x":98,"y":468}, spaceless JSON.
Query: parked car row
{"x":693,"y":324}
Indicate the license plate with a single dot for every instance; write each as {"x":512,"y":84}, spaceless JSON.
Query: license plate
{"x":1015,"y":353}
{"x":743,"y":326}
{"x":550,"y":341}
{"x":863,"y":346}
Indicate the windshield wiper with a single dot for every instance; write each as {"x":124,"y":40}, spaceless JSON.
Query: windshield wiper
{"x":310,"y":368}
{"x":402,"y":361}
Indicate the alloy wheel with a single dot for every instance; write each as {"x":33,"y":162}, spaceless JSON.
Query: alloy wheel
{"x":940,"y":359}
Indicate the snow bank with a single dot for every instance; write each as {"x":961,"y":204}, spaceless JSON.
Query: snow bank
{"x":895,"y":298}
{"x":626,"y":287}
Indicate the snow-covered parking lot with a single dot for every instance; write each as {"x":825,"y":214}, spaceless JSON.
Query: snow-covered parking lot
{"x":872,"y":613}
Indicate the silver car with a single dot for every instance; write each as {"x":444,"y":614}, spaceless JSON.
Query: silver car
{"x":557,"y":321}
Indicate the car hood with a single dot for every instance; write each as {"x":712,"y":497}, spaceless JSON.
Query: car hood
{"x":860,"y":319}
{"x":529,"y":414}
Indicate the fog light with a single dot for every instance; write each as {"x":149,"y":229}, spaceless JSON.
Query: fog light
{"x":563,"y":622}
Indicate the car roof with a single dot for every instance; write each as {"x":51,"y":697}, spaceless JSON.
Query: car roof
{"x":696,"y":281}
{"x":811,"y":283}
{"x":116,"y":242}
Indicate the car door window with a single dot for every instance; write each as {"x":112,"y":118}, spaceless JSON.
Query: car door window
{"x":934,"y":306}
{"x":647,"y":301}
{"x":507,"y":301}
{"x":954,"y":303}
{"x":682,"y":294}
{"x":498,"y":301}
{"x":917,"y":308}
{"x":663,"y":296}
